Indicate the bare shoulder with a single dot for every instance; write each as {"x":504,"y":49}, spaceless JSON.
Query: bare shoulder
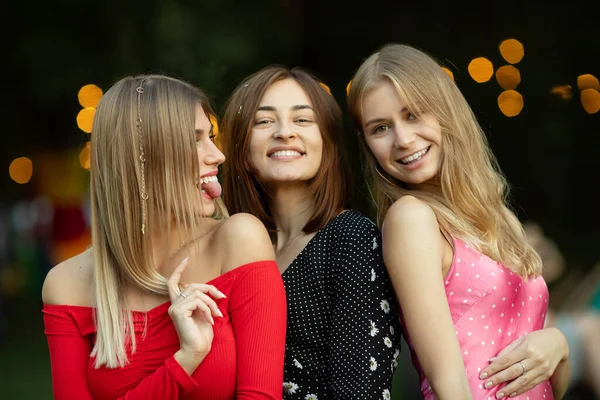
{"x":71,"y":281}
{"x":409,"y":212}
{"x":243,"y":239}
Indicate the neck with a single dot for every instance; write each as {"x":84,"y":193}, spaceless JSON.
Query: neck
{"x":291,"y":208}
{"x":166,"y":243}
{"x":431,"y":186}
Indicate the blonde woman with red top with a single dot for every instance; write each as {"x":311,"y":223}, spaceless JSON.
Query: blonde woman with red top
{"x":173,"y":300}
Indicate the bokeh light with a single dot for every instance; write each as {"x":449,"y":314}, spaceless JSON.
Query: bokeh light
{"x":324,"y":86}
{"x":89,"y":96}
{"x":508,"y":77}
{"x":215,"y":124}
{"x":512,"y":50}
{"x":565,"y":92}
{"x":587,"y":81}
{"x":84,"y":156}
{"x":21,"y":170}
{"x":590,"y":100}
{"x":85,"y":119}
{"x":481,"y":69}
{"x":510,"y":103}
{"x":447,"y":71}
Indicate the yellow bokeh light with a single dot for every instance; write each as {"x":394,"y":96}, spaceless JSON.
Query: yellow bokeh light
{"x":508,"y":77}
{"x":565,"y":92}
{"x":324,"y":86}
{"x":85,"y":119}
{"x":20,"y":170}
{"x":481,"y":69}
{"x":348,"y":88}
{"x":510,"y":103}
{"x":587,"y":81}
{"x":590,"y":100}
{"x":450,"y":74}
{"x":512,"y":50}
{"x":217,"y":139}
{"x":89,"y":96}
{"x":84,"y":156}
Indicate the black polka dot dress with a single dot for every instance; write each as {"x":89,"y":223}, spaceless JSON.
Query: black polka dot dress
{"x":343,"y":334}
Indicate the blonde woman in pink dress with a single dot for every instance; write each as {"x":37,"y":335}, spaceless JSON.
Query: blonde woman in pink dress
{"x":472,"y":299}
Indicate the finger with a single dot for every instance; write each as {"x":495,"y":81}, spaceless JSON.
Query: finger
{"x":204,"y":310}
{"x":210,"y":289}
{"x":504,"y":361}
{"x":173,"y":281}
{"x":512,"y":346}
{"x":206,"y":299}
{"x":506,"y":375}
{"x":190,"y":305}
{"x":520,"y":385}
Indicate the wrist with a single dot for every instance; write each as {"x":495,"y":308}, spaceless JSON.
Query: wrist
{"x":564,"y":345}
{"x":188,"y":361}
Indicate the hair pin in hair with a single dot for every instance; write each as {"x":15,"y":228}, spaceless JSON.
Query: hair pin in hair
{"x":142,"y":157}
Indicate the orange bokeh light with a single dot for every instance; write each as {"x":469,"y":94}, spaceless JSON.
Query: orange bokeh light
{"x":481,"y":69}
{"x":508,"y":77}
{"x":447,"y":71}
{"x":512,"y":50}
{"x":89,"y":96}
{"x":85,"y":119}
{"x":587,"y":81}
{"x":565,"y":92}
{"x":510,"y":103}
{"x":21,"y":170}
{"x":590,"y":100}
{"x":84,"y":156}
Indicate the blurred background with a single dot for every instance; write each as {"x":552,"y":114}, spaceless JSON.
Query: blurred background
{"x":530,"y":73}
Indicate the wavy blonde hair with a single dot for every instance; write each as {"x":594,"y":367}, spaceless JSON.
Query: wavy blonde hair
{"x":471,"y":203}
{"x":165,"y":139}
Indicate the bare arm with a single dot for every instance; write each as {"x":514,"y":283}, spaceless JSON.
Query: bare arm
{"x":413,"y":253}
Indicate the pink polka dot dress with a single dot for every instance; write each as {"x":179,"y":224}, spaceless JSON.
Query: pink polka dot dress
{"x":490,"y":306}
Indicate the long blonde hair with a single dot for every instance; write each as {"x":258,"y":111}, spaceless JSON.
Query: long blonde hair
{"x":472,"y":201}
{"x":143,"y":177}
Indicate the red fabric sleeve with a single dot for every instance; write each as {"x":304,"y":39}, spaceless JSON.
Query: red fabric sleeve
{"x":70,"y":355}
{"x":258,"y":311}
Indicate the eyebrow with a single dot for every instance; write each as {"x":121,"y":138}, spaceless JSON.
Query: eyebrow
{"x":293,"y":108}
{"x":378,"y":120}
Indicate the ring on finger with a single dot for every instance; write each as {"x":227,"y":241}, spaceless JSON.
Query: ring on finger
{"x":523,"y":366}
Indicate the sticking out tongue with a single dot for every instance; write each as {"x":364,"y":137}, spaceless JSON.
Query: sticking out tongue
{"x":213,"y":189}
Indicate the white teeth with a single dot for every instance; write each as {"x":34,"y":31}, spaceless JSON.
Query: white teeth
{"x":285,"y":153}
{"x":208,"y":179}
{"x":415,"y":156}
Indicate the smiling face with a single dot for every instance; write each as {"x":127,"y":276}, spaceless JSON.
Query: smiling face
{"x":209,"y":159}
{"x":406,"y":146}
{"x":285,"y":141}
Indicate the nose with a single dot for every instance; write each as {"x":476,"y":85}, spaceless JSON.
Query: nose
{"x":284,"y":131}
{"x":404,"y":136}
{"x":214,"y":156}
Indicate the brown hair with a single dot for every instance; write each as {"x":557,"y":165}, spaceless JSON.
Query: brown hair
{"x":243,"y":192}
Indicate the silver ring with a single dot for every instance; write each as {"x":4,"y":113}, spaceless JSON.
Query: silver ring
{"x":524,"y":369}
{"x":184,"y":296}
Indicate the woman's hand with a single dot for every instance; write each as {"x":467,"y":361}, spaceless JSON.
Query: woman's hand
{"x":192,"y":312}
{"x":526,"y":362}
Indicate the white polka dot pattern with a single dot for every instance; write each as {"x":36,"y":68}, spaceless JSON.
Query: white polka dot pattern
{"x":343,"y":335}
{"x":490,"y":306}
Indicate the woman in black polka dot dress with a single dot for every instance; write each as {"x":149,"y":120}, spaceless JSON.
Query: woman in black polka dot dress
{"x":281,"y":131}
